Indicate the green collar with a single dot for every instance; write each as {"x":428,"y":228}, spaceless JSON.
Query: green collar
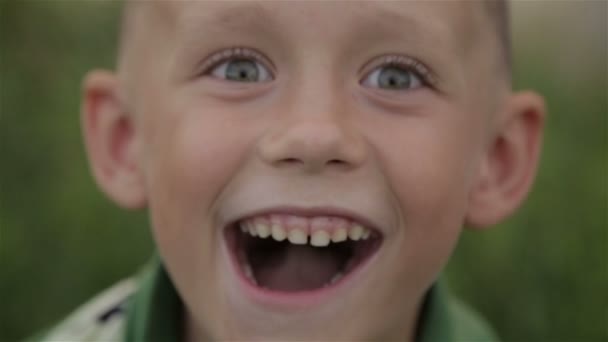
{"x":156,"y":313}
{"x":434,"y":321}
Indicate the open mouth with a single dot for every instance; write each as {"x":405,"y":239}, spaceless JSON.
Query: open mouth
{"x":292,"y":254}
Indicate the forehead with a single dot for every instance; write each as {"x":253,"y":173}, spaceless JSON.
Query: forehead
{"x":440,"y":22}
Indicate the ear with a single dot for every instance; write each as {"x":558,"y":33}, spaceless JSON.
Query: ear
{"x":111,"y":140}
{"x":509,"y":165}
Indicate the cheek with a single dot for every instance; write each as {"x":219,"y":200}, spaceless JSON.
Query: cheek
{"x":430,"y":162}
{"x":431,"y":166}
{"x":191,"y":156}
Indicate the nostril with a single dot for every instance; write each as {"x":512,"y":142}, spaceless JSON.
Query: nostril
{"x":336,"y":162}
{"x":298,"y":161}
{"x":290,"y":161}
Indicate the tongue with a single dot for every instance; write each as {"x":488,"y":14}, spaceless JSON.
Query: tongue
{"x":298,"y":268}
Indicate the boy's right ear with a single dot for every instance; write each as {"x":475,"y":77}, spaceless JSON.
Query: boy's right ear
{"x":111,"y":140}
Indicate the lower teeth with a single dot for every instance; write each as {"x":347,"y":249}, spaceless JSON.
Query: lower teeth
{"x":249,"y":272}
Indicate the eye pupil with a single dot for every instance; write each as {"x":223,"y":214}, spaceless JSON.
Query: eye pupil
{"x":242,"y":70}
{"x":394,"y":78}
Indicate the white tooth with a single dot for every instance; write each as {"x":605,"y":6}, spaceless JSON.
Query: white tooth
{"x":339,"y":235}
{"x":243,"y":227}
{"x":251,"y":228}
{"x":366,"y":234}
{"x":297,"y":236}
{"x":278,"y":233}
{"x":320,"y":238}
{"x":262,"y":229}
{"x":355,"y":232}
{"x":336,"y":277}
{"x":249,"y":272}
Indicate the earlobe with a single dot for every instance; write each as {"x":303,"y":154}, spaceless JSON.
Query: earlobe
{"x":111,"y":140}
{"x":509,"y":166}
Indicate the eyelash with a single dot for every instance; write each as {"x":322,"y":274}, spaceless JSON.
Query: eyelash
{"x":222,"y":56}
{"x":419,"y":69}
{"x":422,"y":71}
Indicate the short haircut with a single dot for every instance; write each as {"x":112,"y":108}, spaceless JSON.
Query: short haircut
{"x":499,"y":13}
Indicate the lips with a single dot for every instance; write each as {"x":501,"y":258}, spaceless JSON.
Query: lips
{"x":288,"y":256}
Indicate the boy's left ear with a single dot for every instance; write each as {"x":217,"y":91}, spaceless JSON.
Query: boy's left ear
{"x":509,"y":166}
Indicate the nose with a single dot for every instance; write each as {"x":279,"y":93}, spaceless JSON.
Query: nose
{"x":313,"y":142}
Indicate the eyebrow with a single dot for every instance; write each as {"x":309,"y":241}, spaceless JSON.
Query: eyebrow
{"x":387,"y":23}
{"x":241,"y":17}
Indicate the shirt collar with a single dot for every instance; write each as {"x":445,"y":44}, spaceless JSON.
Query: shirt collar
{"x":155,"y":313}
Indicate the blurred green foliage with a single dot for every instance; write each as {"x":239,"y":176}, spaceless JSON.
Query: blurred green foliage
{"x":541,"y":276}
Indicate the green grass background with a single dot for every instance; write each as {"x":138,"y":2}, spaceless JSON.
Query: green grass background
{"x":540,"y":276}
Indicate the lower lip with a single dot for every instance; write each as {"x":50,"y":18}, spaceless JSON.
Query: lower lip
{"x":293,"y":300}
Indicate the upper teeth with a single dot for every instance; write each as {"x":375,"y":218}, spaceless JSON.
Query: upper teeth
{"x":318,"y":231}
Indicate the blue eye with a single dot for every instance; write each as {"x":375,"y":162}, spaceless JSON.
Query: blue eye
{"x":393,"y":77}
{"x":241,"y":69}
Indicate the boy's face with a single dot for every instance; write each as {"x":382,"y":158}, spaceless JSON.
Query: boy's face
{"x":307,"y":115}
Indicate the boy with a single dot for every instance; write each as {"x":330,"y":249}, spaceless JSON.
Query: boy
{"x":307,"y":166}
